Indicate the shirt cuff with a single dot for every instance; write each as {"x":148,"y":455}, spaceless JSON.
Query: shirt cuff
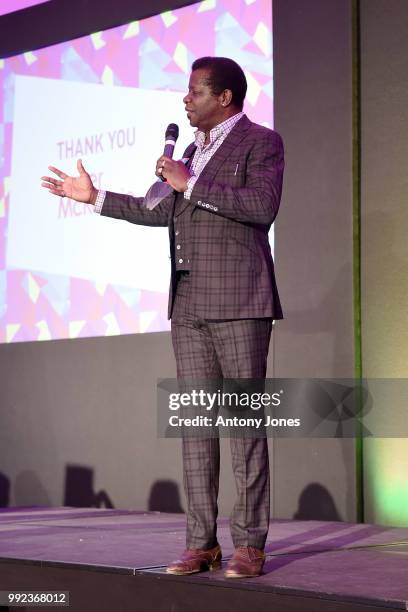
{"x":100,"y":198}
{"x":190,"y":186}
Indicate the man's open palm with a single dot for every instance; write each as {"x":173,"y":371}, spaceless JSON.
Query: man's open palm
{"x":78,"y":188}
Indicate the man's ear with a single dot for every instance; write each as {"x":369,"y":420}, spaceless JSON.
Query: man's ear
{"x":226,"y":97}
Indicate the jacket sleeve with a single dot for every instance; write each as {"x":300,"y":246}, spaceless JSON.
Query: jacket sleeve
{"x":130,"y":208}
{"x":257,"y":201}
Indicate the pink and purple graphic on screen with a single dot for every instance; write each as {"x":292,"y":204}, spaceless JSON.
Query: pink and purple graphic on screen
{"x":9,"y":6}
{"x":106,"y":98}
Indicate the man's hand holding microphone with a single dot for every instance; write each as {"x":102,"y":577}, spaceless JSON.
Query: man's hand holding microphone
{"x":174,"y":172}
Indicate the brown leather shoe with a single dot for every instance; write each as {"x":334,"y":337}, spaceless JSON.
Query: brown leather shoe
{"x":195,"y":560}
{"x":247,"y":562}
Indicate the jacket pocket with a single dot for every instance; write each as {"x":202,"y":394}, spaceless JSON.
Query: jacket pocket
{"x":243,"y":253}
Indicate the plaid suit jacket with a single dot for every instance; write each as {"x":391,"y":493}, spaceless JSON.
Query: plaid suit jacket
{"x":233,"y":204}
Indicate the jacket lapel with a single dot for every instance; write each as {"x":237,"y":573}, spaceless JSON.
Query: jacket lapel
{"x":226,"y":149}
{"x":189,"y":154}
{"x":180,"y":206}
{"x":222,"y":153}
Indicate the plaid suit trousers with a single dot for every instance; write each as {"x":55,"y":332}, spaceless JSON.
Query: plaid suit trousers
{"x":216,"y":350}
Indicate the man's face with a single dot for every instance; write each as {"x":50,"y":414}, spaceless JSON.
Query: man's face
{"x":204,"y":109}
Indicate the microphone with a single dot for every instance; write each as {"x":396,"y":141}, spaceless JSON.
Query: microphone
{"x":171,"y":135}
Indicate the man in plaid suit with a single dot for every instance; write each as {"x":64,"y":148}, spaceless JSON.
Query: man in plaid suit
{"x":223,"y":296}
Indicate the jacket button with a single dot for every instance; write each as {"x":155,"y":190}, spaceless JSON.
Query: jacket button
{"x":215,"y":209}
{"x":199,"y":202}
{"x":177,"y":233}
{"x":180,"y":261}
{"x":178,"y":247}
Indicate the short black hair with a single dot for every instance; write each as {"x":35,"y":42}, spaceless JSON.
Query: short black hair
{"x":224,"y":74}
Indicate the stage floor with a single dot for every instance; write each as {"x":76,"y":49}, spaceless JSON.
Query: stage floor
{"x":116,"y":559}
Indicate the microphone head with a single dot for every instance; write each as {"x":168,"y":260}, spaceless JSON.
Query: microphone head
{"x":172,"y":132}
